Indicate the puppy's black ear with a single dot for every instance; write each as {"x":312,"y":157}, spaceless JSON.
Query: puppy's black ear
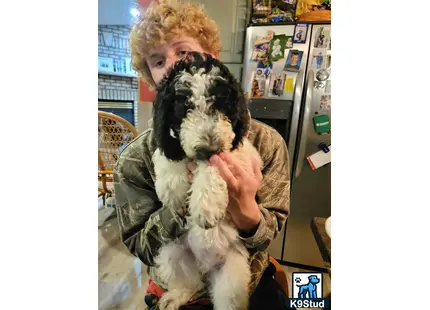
{"x":242,"y":117}
{"x":164,"y":114}
{"x":241,"y":127}
{"x":230,"y":99}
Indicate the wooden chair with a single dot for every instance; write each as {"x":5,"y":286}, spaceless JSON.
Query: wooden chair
{"x":114,"y":134}
{"x":280,"y":275}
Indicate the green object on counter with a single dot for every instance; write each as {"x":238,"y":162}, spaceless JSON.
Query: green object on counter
{"x":322,"y":124}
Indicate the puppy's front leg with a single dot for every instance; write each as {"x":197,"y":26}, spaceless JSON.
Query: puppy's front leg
{"x":209,"y":196}
{"x":229,"y":284}
{"x":171,"y":182}
{"x":177,"y":268}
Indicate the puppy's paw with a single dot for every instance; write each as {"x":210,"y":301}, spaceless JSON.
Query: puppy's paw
{"x":174,"y":299}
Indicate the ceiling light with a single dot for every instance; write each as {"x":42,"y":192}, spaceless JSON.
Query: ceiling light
{"x":135,"y":12}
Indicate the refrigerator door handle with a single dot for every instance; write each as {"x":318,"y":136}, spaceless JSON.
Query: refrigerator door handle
{"x":306,"y":120}
{"x":297,"y":100}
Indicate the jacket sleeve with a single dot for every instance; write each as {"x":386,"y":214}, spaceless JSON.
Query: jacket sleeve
{"x":145,"y":225}
{"x":274,"y":196}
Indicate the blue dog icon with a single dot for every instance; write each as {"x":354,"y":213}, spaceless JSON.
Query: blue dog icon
{"x":310,"y":289}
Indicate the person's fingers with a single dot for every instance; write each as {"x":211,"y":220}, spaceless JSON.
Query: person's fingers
{"x":224,"y":171}
{"x":256,"y":169}
{"x":236,"y":168}
{"x":191,"y":166}
{"x":190,"y":177}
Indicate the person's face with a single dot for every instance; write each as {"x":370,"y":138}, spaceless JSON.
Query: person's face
{"x":164,"y":56}
{"x":294,"y":59}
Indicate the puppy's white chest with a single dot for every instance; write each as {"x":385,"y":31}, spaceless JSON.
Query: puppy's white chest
{"x":210,"y":246}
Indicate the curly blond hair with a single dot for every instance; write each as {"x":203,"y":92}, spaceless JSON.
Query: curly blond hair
{"x":163,"y":20}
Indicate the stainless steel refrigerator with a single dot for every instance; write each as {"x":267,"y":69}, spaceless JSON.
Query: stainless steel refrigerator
{"x":296,"y":111}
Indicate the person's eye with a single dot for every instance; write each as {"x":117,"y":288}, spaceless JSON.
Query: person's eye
{"x":183,"y":53}
{"x":159,"y":64}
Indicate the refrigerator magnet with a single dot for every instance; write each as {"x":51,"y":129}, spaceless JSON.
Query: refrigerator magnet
{"x":322,"y":75}
{"x":320,"y":158}
{"x":323,"y":147}
{"x":322,"y":124}
{"x":289,"y":84}
{"x":319,"y":85}
{"x":300,"y":33}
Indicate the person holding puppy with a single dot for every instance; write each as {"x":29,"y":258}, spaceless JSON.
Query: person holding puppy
{"x":258,"y":205}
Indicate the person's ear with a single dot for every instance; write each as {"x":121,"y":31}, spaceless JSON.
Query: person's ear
{"x":215,"y":55}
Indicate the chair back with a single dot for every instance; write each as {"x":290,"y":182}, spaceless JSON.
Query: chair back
{"x":115,"y":133}
{"x":280,"y":275}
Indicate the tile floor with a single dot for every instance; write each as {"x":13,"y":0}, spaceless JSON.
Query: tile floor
{"x":123,"y":278}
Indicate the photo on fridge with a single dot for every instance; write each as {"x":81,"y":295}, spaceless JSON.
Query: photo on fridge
{"x":300,"y":33}
{"x":325,"y":102}
{"x":317,"y":60}
{"x":261,"y":49}
{"x":322,"y":38}
{"x":266,"y":65}
{"x":276,"y":86}
{"x":293,"y":61}
{"x":278,"y":46}
{"x":258,"y":84}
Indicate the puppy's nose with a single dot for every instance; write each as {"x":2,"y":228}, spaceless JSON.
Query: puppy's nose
{"x":205,"y":153}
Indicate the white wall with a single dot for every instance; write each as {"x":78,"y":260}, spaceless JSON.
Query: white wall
{"x":144,"y":115}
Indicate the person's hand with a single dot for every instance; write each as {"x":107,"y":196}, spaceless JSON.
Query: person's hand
{"x":242,"y":187}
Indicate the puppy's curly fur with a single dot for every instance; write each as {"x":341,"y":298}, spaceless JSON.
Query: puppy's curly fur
{"x":200,"y":110}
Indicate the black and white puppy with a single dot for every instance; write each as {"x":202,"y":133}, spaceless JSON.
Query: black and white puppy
{"x":200,"y":110}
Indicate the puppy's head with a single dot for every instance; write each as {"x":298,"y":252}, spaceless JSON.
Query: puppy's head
{"x":200,"y":109}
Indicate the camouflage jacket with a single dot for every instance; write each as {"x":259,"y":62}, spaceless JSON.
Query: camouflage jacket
{"x":145,"y":225}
